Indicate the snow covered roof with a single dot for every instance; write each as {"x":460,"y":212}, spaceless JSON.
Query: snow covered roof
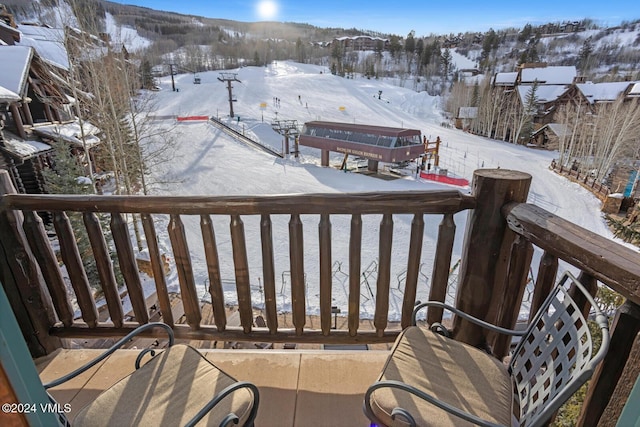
{"x":544,"y":93}
{"x":563,"y":75}
{"x":20,"y":148}
{"x":557,"y":128}
{"x":70,"y":132}
{"x":635,"y":90}
{"x":602,"y":92}
{"x":468,"y":112}
{"x":8,"y":96}
{"x":14,"y":68}
{"x":48,"y":42}
{"x":505,"y":79}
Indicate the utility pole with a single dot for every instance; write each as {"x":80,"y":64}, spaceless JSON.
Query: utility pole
{"x":230,"y":77}
{"x":173,"y":83}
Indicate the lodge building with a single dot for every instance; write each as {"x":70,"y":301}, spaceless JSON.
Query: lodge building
{"x":374,"y":143}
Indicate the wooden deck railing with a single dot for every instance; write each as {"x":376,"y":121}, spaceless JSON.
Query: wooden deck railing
{"x":499,"y":240}
{"x":386,"y":205}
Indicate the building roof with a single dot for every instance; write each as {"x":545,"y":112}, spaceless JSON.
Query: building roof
{"x":468,"y":112}
{"x":377,"y":130}
{"x":505,"y":79}
{"x":602,"y":92}
{"x":544,"y":93}
{"x":8,"y":96}
{"x":556,"y":128}
{"x":563,"y":75}
{"x":20,"y":148}
{"x":48,"y":42}
{"x":14,"y":68}
{"x":70,"y":132}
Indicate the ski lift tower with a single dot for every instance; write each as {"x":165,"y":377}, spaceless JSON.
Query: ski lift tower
{"x":229,"y":77}
{"x":287,"y":128}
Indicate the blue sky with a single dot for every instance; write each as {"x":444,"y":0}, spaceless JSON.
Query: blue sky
{"x":401,"y":16}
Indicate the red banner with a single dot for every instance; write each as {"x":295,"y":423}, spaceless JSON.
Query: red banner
{"x":461,"y":182}
{"x":192,"y":118}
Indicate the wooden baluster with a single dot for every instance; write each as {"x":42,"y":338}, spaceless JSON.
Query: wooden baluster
{"x":545,"y":281}
{"x":241,"y":266}
{"x":591,"y":285}
{"x":128,"y":266}
{"x":381,"y":316}
{"x":181,"y":254}
{"x":413,"y":269}
{"x":519,"y":264}
{"x":355,"y":261}
{"x":441,"y":267}
{"x":39,"y":244}
{"x":213,"y":268}
{"x":296,"y":258}
{"x":104,"y":267}
{"x":268,"y":271}
{"x":324,"y":231}
{"x":73,"y":262}
{"x":158,"y":269}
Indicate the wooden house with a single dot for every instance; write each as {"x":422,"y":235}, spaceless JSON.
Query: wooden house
{"x":465,"y":116}
{"x":34,"y":112}
{"x":548,"y":136}
{"x":361,"y":42}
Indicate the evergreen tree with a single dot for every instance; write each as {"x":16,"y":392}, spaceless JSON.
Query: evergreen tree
{"x":585,"y":60}
{"x":146,"y":74}
{"x":446,"y":60}
{"x":300,"y":51}
{"x":525,"y":34}
{"x":395,"y":46}
{"x":68,"y":176}
{"x":410,"y":43}
{"x":529,"y":110}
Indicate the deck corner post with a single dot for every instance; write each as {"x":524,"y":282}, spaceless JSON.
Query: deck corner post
{"x":483,"y":240}
{"x":23,"y":281}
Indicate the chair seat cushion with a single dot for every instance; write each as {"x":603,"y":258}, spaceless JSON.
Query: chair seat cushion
{"x":168,"y":390}
{"x":453,"y":372}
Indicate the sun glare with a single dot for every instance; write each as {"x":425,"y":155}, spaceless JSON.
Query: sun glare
{"x":267,"y":9}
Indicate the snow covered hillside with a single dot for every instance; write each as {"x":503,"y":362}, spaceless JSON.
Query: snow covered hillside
{"x":208,"y":162}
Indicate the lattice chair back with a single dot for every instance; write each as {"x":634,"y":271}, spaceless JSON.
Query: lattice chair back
{"x":556,"y":356}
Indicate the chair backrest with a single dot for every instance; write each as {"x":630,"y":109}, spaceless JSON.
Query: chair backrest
{"x":556,"y":355}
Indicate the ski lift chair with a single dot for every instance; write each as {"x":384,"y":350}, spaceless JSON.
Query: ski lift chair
{"x":179,"y":386}
{"x":430,"y":379}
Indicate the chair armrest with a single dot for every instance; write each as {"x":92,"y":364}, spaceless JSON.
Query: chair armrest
{"x":424,"y":396}
{"x":231,"y":417}
{"x":465,"y":316}
{"x":110,"y":351}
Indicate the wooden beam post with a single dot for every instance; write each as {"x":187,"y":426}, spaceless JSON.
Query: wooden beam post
{"x":484,"y":237}
{"x":23,"y":281}
{"x":624,"y":331}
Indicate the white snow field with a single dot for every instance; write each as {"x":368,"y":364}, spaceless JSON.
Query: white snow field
{"x":208,"y":162}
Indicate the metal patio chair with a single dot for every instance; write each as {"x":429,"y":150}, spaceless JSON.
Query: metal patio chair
{"x":176,"y":387}
{"x":432,"y":380}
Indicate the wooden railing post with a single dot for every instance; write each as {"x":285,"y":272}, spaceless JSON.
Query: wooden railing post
{"x":624,"y":331}
{"x":23,"y":281}
{"x":484,"y":237}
